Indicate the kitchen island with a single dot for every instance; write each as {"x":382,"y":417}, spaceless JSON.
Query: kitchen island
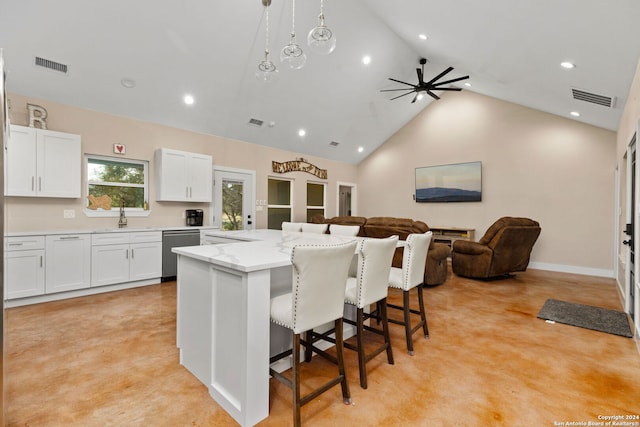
{"x":224,"y":331}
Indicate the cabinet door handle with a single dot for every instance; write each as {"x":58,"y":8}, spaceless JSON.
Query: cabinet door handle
{"x":15,"y":244}
{"x":190,"y":192}
{"x":127,"y":254}
{"x":41,"y":261}
{"x":186,"y":191}
{"x":132,"y":253}
{"x":39,"y":183}
{"x":33,"y":183}
{"x":69,"y":237}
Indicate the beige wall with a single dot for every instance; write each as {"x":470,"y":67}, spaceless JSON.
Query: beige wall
{"x":100,"y":131}
{"x":555,"y":170}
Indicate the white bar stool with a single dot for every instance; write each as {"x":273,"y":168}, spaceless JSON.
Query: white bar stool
{"x":410,"y":276}
{"x":317,"y":297}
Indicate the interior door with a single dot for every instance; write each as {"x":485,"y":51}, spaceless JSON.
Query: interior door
{"x":630,"y":229}
{"x":233,"y":196}
{"x":634,"y":234}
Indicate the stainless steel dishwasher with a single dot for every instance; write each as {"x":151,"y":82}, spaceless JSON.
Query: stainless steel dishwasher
{"x":173,"y":239}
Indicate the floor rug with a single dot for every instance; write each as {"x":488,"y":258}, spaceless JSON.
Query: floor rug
{"x":586,"y":316}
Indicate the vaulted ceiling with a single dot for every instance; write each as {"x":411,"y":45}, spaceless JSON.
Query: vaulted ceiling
{"x":511,"y":49}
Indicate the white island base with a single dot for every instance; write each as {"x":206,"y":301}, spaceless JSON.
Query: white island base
{"x":224,"y":331}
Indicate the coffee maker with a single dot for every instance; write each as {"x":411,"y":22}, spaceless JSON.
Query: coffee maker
{"x":194,"y":217}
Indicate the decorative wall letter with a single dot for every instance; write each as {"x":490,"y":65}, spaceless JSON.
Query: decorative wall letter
{"x":37,"y":114}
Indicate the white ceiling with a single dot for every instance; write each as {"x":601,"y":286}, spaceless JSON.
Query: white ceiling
{"x":510,"y":48}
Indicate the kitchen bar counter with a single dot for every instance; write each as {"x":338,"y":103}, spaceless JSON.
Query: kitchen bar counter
{"x":223,"y":329}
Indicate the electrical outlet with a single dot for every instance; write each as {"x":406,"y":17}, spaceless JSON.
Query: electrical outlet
{"x":69,"y":213}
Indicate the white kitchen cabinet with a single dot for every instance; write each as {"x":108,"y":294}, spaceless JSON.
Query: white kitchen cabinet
{"x":24,"y":266}
{"x":182,"y":176}
{"x":42,"y":163}
{"x":68,"y":262}
{"x":125,"y":257}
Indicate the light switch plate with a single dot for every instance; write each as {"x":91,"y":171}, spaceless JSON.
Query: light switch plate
{"x":69,"y":213}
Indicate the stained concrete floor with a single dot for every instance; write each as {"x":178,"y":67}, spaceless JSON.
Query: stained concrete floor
{"x":111,"y":360}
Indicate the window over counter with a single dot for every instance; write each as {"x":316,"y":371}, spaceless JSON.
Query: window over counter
{"x":315,"y":199}
{"x":279,"y":205}
{"x":111,"y":181}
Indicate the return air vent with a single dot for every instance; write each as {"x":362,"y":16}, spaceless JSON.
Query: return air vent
{"x":604,"y":100}
{"x":334,"y":144}
{"x":52,"y":65}
{"x":256,"y":122}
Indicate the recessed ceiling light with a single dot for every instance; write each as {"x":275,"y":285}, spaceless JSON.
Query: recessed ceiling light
{"x":302,"y":132}
{"x":128,"y":83}
{"x":568,"y":65}
{"x":366,"y":60}
{"x":420,"y":96}
{"x":422,"y":36}
{"x":467,"y":84}
{"x":360,"y":149}
{"x":575,"y":114}
{"x":188,"y":99}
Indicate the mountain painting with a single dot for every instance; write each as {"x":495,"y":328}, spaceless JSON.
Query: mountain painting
{"x":460,"y":182}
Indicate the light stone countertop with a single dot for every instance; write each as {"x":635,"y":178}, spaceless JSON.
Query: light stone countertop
{"x":104,"y":230}
{"x":256,"y":249}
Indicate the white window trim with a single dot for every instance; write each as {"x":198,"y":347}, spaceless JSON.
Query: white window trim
{"x":324,"y":198}
{"x":115,"y":213}
{"x":291,"y":194}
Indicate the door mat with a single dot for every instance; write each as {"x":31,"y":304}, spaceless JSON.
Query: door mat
{"x":586,"y":316}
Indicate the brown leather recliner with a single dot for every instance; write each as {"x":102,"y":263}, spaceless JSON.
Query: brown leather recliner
{"x":504,"y":248}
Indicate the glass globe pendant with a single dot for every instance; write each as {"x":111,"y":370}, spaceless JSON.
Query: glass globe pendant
{"x":292,"y":54}
{"x":267,"y":71}
{"x":321,"y":39}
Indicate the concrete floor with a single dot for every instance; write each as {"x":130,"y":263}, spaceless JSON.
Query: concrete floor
{"x":111,"y":360}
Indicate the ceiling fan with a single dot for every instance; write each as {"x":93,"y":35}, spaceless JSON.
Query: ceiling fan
{"x":423,"y":86}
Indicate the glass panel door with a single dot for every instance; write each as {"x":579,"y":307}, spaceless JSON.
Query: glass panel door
{"x":232,"y":207}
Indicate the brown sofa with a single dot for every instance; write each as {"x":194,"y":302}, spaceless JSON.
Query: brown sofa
{"x":436,"y":267}
{"x":504,"y":248}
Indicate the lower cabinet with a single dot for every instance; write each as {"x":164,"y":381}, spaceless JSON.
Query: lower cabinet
{"x":24,"y":266}
{"x":68,"y":265}
{"x":43,"y":265}
{"x":125,"y":257}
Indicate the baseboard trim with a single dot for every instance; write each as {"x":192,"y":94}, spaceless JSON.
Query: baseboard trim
{"x":561,"y":268}
{"x":79,"y":293}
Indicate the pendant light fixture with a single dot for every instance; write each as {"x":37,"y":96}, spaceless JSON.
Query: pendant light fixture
{"x":292,"y":54}
{"x":267,"y":71}
{"x":321,"y":39}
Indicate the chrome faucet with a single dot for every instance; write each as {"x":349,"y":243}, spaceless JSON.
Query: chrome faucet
{"x":122,"y":222}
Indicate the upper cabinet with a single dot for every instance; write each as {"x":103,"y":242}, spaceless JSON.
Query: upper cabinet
{"x":42,"y":163}
{"x":183,"y":176}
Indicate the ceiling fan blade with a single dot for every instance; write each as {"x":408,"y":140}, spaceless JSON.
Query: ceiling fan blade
{"x":450,"y":81}
{"x":404,"y":83}
{"x":440,"y":75}
{"x":447,"y":88}
{"x":433,"y":95}
{"x":400,"y":96}
{"x":392,"y":90}
{"x":420,"y":76}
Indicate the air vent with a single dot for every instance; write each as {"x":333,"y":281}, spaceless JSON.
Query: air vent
{"x":256,"y":122}
{"x":52,"y":65}
{"x":334,"y":144}
{"x":605,"y":101}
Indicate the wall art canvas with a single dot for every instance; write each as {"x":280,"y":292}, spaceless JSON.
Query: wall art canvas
{"x":459,"y":182}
